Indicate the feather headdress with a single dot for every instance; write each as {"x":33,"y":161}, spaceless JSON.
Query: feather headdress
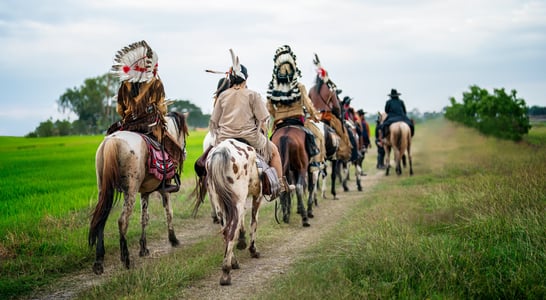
{"x":283,"y":87}
{"x":323,"y":74}
{"x":136,"y":62}
{"x":236,"y":69}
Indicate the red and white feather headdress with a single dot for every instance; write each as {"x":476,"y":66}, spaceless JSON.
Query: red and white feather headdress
{"x":136,"y":62}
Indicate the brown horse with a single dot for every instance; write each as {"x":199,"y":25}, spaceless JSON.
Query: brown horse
{"x":121,"y":165}
{"x":290,"y":141}
{"x":399,"y":139}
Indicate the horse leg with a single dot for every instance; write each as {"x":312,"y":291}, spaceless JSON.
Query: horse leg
{"x":241,"y":241}
{"x":387,"y":160}
{"x":285,"y":206}
{"x":230,"y":262}
{"x":410,"y":163}
{"x":398,"y":161}
{"x":333,"y":177}
{"x":123,"y":224}
{"x":345,"y":175}
{"x":144,"y":218}
{"x":169,"y":214}
{"x":256,"y":201}
{"x":98,"y":266}
{"x":358,"y":173}
{"x":300,"y":188}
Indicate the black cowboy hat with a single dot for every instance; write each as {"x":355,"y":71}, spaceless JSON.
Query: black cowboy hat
{"x":346,"y":100}
{"x":361,"y":112}
{"x":394,"y":92}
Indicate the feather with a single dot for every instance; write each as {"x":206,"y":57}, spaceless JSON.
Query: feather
{"x":236,"y":68}
{"x":136,"y":62}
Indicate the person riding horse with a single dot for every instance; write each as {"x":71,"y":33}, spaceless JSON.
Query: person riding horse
{"x":350,"y":117}
{"x":141,"y":101}
{"x":324,"y":97}
{"x":288,"y":103}
{"x":240,"y":113}
{"x":396,"y":112}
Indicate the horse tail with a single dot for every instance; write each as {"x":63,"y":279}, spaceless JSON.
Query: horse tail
{"x":223,"y":185}
{"x":285,"y":154}
{"x":109,"y":181}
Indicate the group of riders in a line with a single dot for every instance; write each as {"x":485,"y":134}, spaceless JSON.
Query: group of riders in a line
{"x":240,"y":113}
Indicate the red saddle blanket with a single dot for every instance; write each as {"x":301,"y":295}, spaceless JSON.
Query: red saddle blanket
{"x":160,"y":163}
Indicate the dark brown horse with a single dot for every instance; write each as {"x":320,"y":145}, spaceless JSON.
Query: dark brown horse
{"x":290,"y":141}
{"x":121,"y":165}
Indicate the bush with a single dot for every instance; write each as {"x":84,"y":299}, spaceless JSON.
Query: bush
{"x":499,"y":114}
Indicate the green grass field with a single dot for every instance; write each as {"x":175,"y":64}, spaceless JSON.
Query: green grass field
{"x":470,"y":224}
{"x":47,"y":191}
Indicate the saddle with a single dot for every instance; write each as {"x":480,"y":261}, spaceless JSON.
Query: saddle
{"x":310,"y":144}
{"x":160,"y":163}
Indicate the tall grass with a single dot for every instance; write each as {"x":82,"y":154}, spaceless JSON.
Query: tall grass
{"x":470,"y":224}
{"x":47,"y":191}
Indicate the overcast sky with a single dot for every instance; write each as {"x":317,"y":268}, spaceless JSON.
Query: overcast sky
{"x":430,"y":50}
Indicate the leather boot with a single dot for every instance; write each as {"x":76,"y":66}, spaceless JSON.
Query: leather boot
{"x":285,"y":187}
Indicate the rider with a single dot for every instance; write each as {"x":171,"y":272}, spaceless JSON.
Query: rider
{"x":396,"y":111}
{"x":324,"y":98}
{"x":365,"y":127}
{"x":349,"y":116}
{"x":141,"y":99}
{"x":240,"y":113}
{"x":288,"y":103}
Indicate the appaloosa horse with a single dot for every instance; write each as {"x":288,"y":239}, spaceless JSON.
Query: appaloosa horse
{"x":232,"y":177}
{"x":290,"y":140}
{"x":399,"y":139}
{"x":122,"y":166}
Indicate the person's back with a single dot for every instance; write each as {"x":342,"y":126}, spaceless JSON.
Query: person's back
{"x":234,"y":114}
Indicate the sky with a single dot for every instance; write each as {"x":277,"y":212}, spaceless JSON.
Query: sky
{"x":429,"y":50}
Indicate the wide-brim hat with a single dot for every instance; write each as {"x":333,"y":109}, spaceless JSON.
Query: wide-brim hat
{"x":346,"y":100}
{"x":361,"y":112}
{"x":394,"y":92}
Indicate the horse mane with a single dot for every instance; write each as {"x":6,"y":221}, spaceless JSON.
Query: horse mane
{"x":180,"y":121}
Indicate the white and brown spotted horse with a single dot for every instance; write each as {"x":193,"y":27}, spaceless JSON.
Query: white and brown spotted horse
{"x":232,"y":178}
{"x":122,"y":165}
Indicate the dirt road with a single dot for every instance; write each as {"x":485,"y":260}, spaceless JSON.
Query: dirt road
{"x":254,"y":274}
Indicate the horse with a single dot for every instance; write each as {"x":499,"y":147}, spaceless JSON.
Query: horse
{"x":290,"y":140}
{"x":318,"y":179}
{"x":232,"y":177}
{"x":356,"y":159}
{"x":121,"y":167}
{"x":399,"y":139}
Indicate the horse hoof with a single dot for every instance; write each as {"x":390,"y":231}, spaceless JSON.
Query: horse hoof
{"x":310,"y":214}
{"x":241,"y":245}
{"x":286,"y":219}
{"x":235,"y":265}
{"x":360,"y":189}
{"x":255,"y":254}
{"x":144,"y":252}
{"x":306,"y":224}
{"x":225,"y":279}
{"x":98,"y":268}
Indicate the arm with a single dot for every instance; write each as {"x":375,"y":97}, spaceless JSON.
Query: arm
{"x":308,"y":104}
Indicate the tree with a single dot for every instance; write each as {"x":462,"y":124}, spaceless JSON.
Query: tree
{"x":499,"y":114}
{"x":196,"y":118}
{"x":90,"y":102}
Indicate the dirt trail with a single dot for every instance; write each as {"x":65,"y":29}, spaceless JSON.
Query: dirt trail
{"x":254,"y":274}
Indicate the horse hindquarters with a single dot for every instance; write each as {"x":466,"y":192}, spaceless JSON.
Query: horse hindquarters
{"x":228,"y":187}
{"x":108,"y":180}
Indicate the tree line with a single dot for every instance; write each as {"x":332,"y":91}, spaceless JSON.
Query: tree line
{"x":94,"y":103}
{"x":500,"y":114}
